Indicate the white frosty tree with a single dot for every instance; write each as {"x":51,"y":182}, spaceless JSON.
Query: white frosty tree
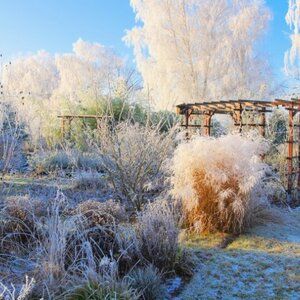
{"x":292,"y":57}
{"x":40,"y":86}
{"x":92,"y":71}
{"x":33,"y":73}
{"x":191,"y":50}
{"x":28,"y":83}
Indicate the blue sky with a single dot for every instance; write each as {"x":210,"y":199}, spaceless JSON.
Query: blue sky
{"x":53,"y":25}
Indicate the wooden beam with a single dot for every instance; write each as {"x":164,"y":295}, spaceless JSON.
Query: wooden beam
{"x":191,"y":126}
{"x":79,"y":116}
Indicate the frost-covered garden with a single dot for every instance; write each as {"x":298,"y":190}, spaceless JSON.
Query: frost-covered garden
{"x":103,"y":195}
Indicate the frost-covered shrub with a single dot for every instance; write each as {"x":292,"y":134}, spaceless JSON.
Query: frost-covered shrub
{"x":148,"y":282}
{"x":87,"y":180}
{"x":118,"y":290}
{"x":158,"y":235}
{"x":44,"y":162}
{"x":86,"y":161}
{"x":100,"y":213}
{"x":103,"y":225}
{"x":185,"y":264}
{"x":276,"y":158}
{"x":10,"y":133}
{"x":278,"y":127}
{"x":218,"y":129}
{"x":89,"y":247}
{"x":165,"y":119}
{"x":73,"y":243}
{"x":52,"y":251}
{"x":18,"y":221}
{"x":37,"y":235}
{"x":66,"y":241}
{"x":128,"y":248}
{"x":221,"y":181}
{"x":132,"y":158}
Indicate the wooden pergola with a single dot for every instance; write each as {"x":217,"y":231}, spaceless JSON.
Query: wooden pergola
{"x":66,"y":121}
{"x":236,"y":108}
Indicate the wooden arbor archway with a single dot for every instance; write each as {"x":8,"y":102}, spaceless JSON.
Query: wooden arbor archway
{"x":236,"y":108}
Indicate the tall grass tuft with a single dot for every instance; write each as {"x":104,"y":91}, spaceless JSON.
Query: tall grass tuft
{"x":221,"y":182}
{"x":158,"y":233}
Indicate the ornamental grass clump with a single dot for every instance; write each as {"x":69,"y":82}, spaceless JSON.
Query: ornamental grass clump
{"x":221,"y":182}
{"x":148,"y":282}
{"x":158,"y":235}
{"x":17,"y":222}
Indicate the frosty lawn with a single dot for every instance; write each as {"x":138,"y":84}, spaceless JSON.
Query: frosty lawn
{"x":263,"y":264}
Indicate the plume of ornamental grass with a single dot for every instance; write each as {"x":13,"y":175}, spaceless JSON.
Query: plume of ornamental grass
{"x":221,"y":182}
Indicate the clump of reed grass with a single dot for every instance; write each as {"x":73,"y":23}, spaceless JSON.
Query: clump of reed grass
{"x":221,"y":182}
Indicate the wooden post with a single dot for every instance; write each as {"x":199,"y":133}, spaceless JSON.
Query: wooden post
{"x":69,"y":126}
{"x":290,"y":150}
{"x":240,"y":118}
{"x":262,"y":125}
{"x":298,"y":149}
{"x":62,"y":128}
{"x":98,"y":120}
{"x":187,"y":117}
{"x":237,"y":117}
{"x":298,"y":128}
{"x":207,"y":124}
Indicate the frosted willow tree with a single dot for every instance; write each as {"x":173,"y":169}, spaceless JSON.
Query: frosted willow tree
{"x":292,"y":57}
{"x":190,"y":50}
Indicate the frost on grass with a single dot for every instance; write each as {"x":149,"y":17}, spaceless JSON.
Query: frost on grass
{"x":221,"y":182}
{"x":89,"y":249}
{"x":260,"y":265}
{"x":10,"y":292}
